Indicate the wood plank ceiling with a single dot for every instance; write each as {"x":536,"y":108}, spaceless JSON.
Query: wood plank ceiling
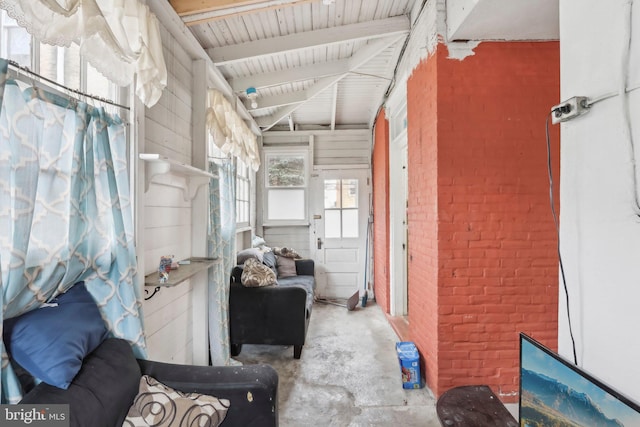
{"x":314,"y":64}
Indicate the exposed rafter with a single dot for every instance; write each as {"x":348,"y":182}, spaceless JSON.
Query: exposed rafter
{"x":275,"y":101}
{"x":398,"y":25}
{"x":297,"y":74}
{"x":357,"y":60}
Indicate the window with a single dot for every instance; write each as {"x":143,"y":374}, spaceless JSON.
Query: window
{"x":341,"y":208}
{"x":243,"y":183}
{"x":16,"y":42}
{"x":243,"y":192}
{"x":60,"y":64}
{"x":286,"y":181}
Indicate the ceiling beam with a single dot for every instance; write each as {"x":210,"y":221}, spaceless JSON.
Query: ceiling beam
{"x":275,"y":101}
{"x":360,"y":58}
{"x":398,"y":25}
{"x":297,"y":74}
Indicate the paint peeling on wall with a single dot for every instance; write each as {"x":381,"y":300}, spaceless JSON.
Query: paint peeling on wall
{"x":429,"y":23}
{"x":460,"y":50}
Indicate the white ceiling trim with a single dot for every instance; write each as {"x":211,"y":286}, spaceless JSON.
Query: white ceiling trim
{"x":361,"y":57}
{"x":398,"y":25}
{"x":503,"y":20}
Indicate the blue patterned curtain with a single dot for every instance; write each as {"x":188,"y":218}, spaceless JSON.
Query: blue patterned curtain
{"x":221,"y":244}
{"x":65,"y":211}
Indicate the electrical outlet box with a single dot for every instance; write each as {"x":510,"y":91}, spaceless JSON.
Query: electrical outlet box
{"x":572,"y":107}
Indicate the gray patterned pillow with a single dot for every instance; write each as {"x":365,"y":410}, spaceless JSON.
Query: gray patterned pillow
{"x":286,"y":252}
{"x":161,"y":406}
{"x":256,"y":274}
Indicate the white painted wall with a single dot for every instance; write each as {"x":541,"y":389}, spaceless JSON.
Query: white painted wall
{"x":166,"y":216}
{"x":331,"y":149}
{"x":600,"y":230}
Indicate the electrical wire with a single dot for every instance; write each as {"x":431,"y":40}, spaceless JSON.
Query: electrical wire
{"x":626,"y":110}
{"x":555,"y":221}
{"x":405,"y":44}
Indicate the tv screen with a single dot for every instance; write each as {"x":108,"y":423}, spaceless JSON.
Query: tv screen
{"x":555,"y":392}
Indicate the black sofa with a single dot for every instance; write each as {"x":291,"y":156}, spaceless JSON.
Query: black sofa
{"x":274,"y":315}
{"x":104,"y":389}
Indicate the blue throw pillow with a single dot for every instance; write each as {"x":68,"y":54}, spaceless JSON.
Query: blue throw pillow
{"x":50,"y":342}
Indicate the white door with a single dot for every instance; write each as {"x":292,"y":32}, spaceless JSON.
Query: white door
{"x":398,"y":197}
{"x":339,"y":219}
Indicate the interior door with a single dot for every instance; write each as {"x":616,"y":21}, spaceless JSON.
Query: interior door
{"x":340,"y":213}
{"x":398,"y":197}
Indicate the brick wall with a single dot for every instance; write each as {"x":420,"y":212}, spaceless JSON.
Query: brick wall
{"x":482,"y":245}
{"x":380,"y":175}
{"x":422,"y":141}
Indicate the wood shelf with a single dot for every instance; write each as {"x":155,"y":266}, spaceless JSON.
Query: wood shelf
{"x":184,"y":272}
{"x":159,"y":165}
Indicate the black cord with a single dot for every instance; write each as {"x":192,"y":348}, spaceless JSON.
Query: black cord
{"x":555,"y":221}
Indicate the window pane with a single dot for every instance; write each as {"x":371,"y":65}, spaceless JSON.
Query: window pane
{"x":332,"y":224}
{"x":61,"y":64}
{"x":285,"y":171}
{"x":331,"y":195}
{"x":16,"y":42}
{"x":350,"y":223}
{"x":49,"y":62}
{"x":242,"y":168}
{"x":242,"y":193}
{"x":349,"y":193}
{"x":285,"y":204}
{"x":99,"y":85}
{"x":242,"y":212}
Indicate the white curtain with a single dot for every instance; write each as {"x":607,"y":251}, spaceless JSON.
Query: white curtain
{"x":121,"y":39}
{"x":229,"y":131}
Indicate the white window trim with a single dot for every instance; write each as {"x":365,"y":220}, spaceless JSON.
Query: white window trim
{"x":250,"y":181}
{"x":302,"y":151}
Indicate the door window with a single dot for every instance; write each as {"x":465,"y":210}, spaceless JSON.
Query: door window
{"x":341,"y":208}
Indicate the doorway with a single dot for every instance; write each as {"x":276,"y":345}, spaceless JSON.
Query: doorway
{"x":339,"y":223}
{"x":398,"y":197}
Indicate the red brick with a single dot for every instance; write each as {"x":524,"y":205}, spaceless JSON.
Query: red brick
{"x":482,"y":242}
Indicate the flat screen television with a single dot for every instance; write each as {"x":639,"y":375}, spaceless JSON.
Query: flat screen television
{"x":555,"y":392}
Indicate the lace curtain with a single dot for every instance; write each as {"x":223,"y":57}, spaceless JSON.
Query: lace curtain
{"x":65,"y":211}
{"x":229,"y":132}
{"x":121,"y":39}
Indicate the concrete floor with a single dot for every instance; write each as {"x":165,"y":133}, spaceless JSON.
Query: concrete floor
{"x":348,"y":374}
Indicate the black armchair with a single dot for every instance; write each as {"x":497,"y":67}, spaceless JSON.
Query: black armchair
{"x":103,"y":391}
